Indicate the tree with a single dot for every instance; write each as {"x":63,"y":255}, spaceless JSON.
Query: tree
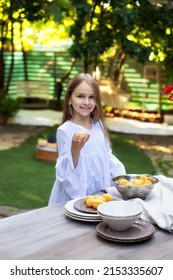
{"x":15,"y":11}
{"x":18,"y":12}
{"x":129,"y":27}
{"x":136,"y":28}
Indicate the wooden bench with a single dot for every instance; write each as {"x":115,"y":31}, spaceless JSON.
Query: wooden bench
{"x":34,"y":94}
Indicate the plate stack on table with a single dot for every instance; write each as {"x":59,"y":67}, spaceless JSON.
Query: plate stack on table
{"x":140,"y":231}
{"x":77,"y":210}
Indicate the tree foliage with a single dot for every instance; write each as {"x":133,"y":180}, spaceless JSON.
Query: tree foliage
{"x":137,"y":27}
{"x":134,"y":27}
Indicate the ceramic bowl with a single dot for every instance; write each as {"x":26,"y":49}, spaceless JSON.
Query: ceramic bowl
{"x":137,"y":191}
{"x":119,"y":215}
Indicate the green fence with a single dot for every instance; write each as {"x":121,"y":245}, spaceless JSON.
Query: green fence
{"x":41,"y":66}
{"x":142,"y":82}
{"x":52,"y":66}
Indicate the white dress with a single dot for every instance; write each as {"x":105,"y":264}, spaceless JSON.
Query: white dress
{"x":96,"y":164}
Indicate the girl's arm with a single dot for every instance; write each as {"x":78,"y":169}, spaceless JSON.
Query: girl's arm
{"x":67,"y":184}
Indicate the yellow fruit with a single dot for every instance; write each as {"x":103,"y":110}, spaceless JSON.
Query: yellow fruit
{"x":143,"y":180}
{"x":100,"y":197}
{"x":147,"y":182}
{"x":123,"y":182}
{"x":81,"y":134}
{"x":151,"y":179}
{"x":107,"y":196}
{"x":89,"y":202}
{"x":97,"y":201}
{"x":88,"y":196}
{"x":134,"y":181}
{"x":97,"y":196}
{"x":143,"y":177}
{"x":138,"y":182}
{"x":130,"y":184}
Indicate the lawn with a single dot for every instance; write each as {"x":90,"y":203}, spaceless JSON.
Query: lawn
{"x":27,"y":182}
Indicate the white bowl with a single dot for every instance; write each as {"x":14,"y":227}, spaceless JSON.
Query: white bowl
{"x":122,"y":224}
{"x":119,"y":215}
{"x":119,"y":209}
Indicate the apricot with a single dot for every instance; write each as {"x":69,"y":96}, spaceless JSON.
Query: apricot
{"x":130,"y":184}
{"x":143,"y":180}
{"x":134,"y":181}
{"x":107,"y":196}
{"x":97,"y":201}
{"x":89,"y":202}
{"x":151,"y":179}
{"x":97,"y":196}
{"x":138,"y":182}
{"x":147,"y":182}
{"x":143,"y":177}
{"x":81,"y":134}
{"x":88,"y":196}
{"x":123,"y":182}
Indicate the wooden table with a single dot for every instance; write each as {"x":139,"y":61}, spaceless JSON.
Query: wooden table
{"x":47,"y":234}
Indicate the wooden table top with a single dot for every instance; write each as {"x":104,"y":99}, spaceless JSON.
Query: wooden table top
{"x":48,"y":234}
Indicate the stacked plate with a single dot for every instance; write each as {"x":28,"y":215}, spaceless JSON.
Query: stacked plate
{"x":76,"y":209}
{"x":140,"y":231}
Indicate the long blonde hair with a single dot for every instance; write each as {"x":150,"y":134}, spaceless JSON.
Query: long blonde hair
{"x":97,"y":114}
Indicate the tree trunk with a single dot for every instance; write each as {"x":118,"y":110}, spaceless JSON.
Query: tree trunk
{"x":12,"y":59}
{"x":23,"y":53}
{"x":2,"y":69}
{"x":59,"y":85}
{"x":86,"y":64}
{"x":2,"y":64}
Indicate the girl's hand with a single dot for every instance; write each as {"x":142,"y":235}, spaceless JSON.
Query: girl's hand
{"x":78,"y":141}
{"x":81,"y":136}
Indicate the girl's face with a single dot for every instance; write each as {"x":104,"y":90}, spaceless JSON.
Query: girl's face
{"x":83,"y":100}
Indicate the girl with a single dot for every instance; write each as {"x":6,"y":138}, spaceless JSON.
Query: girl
{"x":85,"y":163}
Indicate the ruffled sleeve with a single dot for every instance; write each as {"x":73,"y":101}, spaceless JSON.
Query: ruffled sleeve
{"x":67,"y":177}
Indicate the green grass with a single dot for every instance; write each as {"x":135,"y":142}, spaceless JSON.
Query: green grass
{"x":134,"y":158}
{"x":26,"y":182}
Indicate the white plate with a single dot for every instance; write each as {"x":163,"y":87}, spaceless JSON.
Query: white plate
{"x":69,"y":207}
{"x":93,"y":217}
{"x":84,"y":219}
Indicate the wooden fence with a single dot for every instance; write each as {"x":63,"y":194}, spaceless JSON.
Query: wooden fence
{"x":42,"y":66}
{"x":140,"y":82}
